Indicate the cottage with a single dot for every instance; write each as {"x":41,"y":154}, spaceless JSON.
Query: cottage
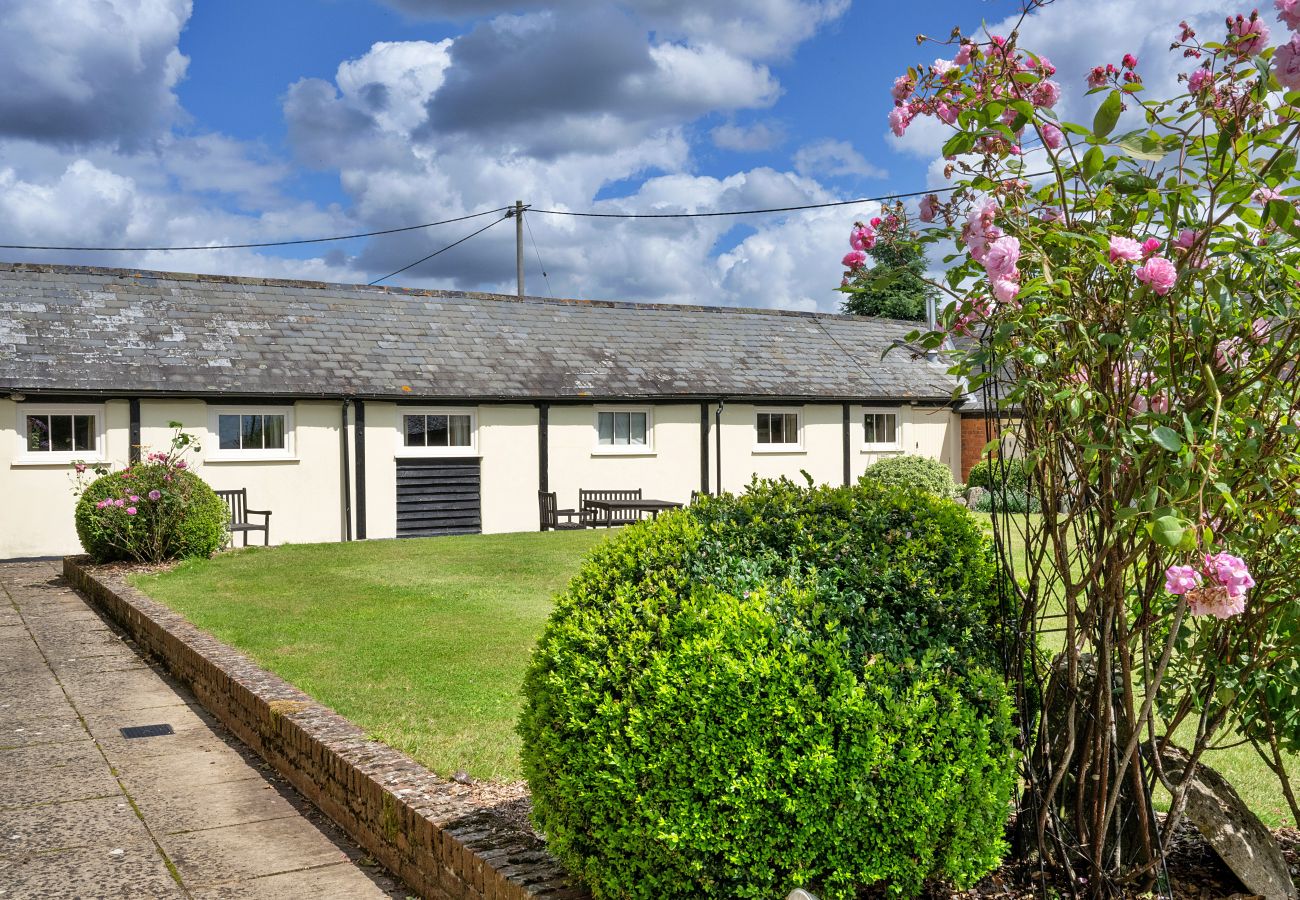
{"x":372,"y":412}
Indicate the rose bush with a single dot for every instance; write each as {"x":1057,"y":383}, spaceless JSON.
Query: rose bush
{"x":1128,"y":302}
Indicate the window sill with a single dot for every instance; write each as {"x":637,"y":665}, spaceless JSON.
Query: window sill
{"x":38,"y":462}
{"x":466,"y":453}
{"x":779,"y":449}
{"x":889,"y":448}
{"x":630,"y":451}
{"x":223,"y":460}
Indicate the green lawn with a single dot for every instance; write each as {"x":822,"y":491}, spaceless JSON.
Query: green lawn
{"x":422,"y":643}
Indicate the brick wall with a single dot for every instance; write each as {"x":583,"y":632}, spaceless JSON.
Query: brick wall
{"x":974,"y":435}
{"x":428,"y":831}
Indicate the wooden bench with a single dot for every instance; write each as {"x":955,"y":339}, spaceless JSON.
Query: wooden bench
{"x":237,"y":503}
{"x":608,"y":518}
{"x":551,"y":515}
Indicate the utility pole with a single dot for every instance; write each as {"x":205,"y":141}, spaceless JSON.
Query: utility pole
{"x":519,"y":245}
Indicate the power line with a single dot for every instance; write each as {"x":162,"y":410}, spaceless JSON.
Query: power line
{"x":320,"y":240}
{"x":443,"y":249}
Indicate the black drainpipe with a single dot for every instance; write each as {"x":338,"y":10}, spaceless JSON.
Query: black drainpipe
{"x":848,"y":468}
{"x":359,"y":435}
{"x":347,"y":473}
{"x":704,"y":448}
{"x":543,"y":447}
{"x":134,"y":430}
{"x":717,"y":422}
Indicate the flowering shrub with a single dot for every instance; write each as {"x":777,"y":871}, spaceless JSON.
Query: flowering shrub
{"x":1131,"y":296}
{"x":151,"y":511}
{"x":795,"y":687}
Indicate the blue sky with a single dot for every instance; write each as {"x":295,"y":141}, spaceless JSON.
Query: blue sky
{"x":166,"y":122}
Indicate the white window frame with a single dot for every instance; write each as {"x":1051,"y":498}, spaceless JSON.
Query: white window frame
{"x":646,"y":449}
{"x":214,"y":453}
{"x":797,"y":447}
{"x":61,"y":457}
{"x":404,"y":451}
{"x":882,"y":446}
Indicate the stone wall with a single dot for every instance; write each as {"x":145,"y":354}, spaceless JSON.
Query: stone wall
{"x":428,"y":831}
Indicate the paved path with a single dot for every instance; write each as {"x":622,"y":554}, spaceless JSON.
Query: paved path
{"x":87,"y":813}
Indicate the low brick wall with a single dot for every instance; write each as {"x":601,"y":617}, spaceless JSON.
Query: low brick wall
{"x":425,"y":829}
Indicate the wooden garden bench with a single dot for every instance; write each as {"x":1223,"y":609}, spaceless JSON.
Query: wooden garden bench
{"x":237,"y":502}
{"x":608,"y":517}
{"x":551,"y":515}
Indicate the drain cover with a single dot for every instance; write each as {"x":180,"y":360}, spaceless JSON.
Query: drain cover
{"x":141,"y":731}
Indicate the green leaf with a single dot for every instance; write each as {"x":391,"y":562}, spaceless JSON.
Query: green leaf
{"x":959,"y":143}
{"x":1092,"y":161}
{"x":1167,"y":531}
{"x":1141,"y":145}
{"x":1103,"y":123}
{"x":1167,"y":438}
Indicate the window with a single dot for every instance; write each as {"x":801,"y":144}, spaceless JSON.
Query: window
{"x":437,"y":432}
{"x":779,"y":429}
{"x":58,"y":434}
{"x":616,"y":428}
{"x":252,"y":433}
{"x":880,"y":429}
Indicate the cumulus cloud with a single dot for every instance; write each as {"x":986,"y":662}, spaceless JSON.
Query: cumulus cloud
{"x":758,"y":29}
{"x":78,"y":72}
{"x":834,"y":159}
{"x":752,"y":138}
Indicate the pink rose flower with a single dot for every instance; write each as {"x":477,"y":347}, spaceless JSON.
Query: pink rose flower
{"x":1052,"y":214}
{"x":1214,"y":600}
{"x":854,"y":259}
{"x":1181,"y":579}
{"x":1265,"y":194}
{"x":903,"y":87}
{"x":946,"y":113}
{"x":1159,"y":273}
{"x":1251,"y":34}
{"x":119,"y":502}
{"x":1097,"y":77}
{"x":1052,"y":136}
{"x":899,"y":120}
{"x":155,"y":496}
{"x":1129,"y":61}
{"x":1005,"y":289}
{"x":942,"y":67}
{"x":180,"y":464}
{"x":929,"y":206}
{"x":1288,"y":11}
{"x":131,"y":510}
{"x":1150,"y":246}
{"x":1046,"y":94}
{"x":862,"y":238}
{"x":1045,"y":66}
{"x":1231,"y":572}
{"x":1286,"y":63}
{"x":1001,"y":259}
{"x":1125,"y":248}
{"x":133,"y":498}
{"x":1199,"y":80}
{"x":1231,"y":353}
{"x":963,"y":54}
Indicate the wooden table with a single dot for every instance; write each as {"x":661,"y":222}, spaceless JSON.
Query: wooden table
{"x":608,"y":507}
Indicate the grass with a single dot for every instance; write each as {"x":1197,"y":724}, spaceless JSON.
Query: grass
{"x":421,"y":643}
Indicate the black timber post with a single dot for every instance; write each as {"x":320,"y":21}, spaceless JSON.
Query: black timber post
{"x":133,"y":452}
{"x":346,"y":465}
{"x":704,"y":448}
{"x":717,"y":439}
{"x":359,"y":436}
{"x":848,"y":465}
{"x":543,"y":447}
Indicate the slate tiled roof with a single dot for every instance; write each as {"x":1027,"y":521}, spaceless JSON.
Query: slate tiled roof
{"x":76,"y":329}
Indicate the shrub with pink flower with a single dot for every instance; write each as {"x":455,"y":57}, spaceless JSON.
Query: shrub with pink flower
{"x":1125,"y":248}
{"x":1159,"y":273}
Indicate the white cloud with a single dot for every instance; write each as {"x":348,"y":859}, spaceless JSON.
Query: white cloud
{"x":78,"y":72}
{"x":834,"y":159}
{"x":751,"y":138}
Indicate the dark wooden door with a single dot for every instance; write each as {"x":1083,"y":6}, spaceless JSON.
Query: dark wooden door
{"x":438,"y":496}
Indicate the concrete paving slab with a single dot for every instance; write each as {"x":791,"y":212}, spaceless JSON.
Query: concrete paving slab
{"x":88,"y":813}
{"x":177,"y":808}
{"x":341,"y":881}
{"x":81,"y":753}
{"x":134,"y":873}
{"x":242,"y":852}
{"x":57,"y":785}
{"x":106,"y":822}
